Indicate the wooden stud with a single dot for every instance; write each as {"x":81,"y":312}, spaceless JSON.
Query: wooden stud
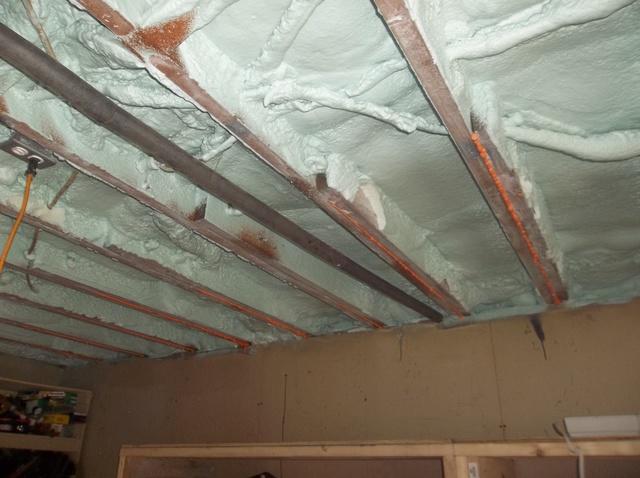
{"x":455,"y":467}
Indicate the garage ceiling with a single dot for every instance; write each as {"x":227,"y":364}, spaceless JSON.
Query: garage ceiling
{"x":361,"y":198}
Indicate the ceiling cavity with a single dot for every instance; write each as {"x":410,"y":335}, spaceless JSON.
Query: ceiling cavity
{"x":311,"y":167}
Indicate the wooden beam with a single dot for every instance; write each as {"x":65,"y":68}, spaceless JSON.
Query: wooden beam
{"x":70,"y":337}
{"x":455,"y":467}
{"x":524,"y":235}
{"x":388,"y":449}
{"x":499,"y":185}
{"x":116,"y":299}
{"x":64,"y":353}
{"x":311,"y":451}
{"x":66,"y":85}
{"x":160,"y":272}
{"x":201,"y":227}
{"x":558,"y":448}
{"x":96,"y":321}
{"x":330,"y":201}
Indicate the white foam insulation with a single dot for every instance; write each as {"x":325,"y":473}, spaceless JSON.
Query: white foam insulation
{"x":324,"y":85}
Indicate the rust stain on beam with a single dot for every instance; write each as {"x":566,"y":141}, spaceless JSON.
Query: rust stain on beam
{"x":201,"y":227}
{"x":71,"y":338}
{"x":64,"y":353}
{"x":326,"y":201}
{"x":494,"y":178}
{"x":525,"y":237}
{"x":260,"y":242}
{"x":116,"y":299}
{"x":164,"y":38}
{"x":198,"y":213}
{"x":95,"y":321}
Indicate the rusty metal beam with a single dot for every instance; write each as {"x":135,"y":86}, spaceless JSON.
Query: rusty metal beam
{"x":499,"y":184}
{"x":116,"y":299}
{"x":64,"y":353}
{"x":329,"y":200}
{"x":68,"y":86}
{"x":201,"y":227}
{"x":160,"y":272}
{"x":70,"y":337}
{"x":98,"y":322}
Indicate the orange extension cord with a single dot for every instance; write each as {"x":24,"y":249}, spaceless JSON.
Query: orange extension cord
{"x":19,"y":218}
{"x":504,"y":195}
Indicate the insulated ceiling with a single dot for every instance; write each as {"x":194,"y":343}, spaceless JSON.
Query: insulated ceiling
{"x":134,"y":260}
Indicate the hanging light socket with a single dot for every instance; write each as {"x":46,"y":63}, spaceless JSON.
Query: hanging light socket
{"x":28,"y":151}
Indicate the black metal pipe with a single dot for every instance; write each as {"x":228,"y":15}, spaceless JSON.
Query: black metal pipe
{"x":63,"y":83}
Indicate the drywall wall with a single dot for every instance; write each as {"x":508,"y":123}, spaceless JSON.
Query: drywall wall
{"x":488,"y":381}
{"x":18,"y":368}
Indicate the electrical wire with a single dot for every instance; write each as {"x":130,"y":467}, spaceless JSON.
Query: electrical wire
{"x":65,"y":187}
{"x":30,"y":257}
{"x":37,"y":25}
{"x":36,"y":233}
{"x":573,"y":448}
{"x":31,"y":172}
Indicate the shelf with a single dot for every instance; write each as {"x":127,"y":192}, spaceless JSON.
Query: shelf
{"x":72,"y":445}
{"x":38,"y":442}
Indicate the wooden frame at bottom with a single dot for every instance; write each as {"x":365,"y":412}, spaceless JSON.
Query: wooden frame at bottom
{"x":456,"y":456}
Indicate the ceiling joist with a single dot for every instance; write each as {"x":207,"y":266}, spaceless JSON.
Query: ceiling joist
{"x":499,"y":185}
{"x":161,"y":273}
{"x":202,"y":227}
{"x":64,"y":353}
{"x":95,"y":321}
{"x":72,"y":338}
{"x":329,"y":200}
{"x":128,"y":303}
{"x":66,"y":85}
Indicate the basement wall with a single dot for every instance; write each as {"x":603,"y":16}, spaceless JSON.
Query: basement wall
{"x":486,"y":381}
{"x":17,"y":368}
